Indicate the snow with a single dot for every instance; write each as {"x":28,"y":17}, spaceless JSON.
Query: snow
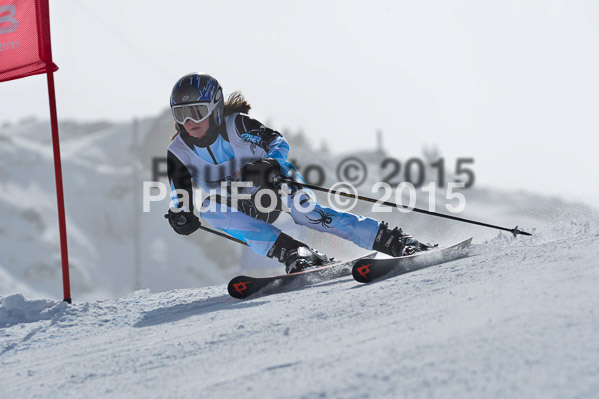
{"x":102,"y":184}
{"x":518,"y":318}
{"x":115,"y":248}
{"x":16,"y":309}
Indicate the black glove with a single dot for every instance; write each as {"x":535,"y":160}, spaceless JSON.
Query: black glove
{"x":261,"y":172}
{"x":182,"y":222}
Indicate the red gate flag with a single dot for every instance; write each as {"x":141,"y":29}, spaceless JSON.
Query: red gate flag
{"x":24,"y":39}
{"x":25,"y":50}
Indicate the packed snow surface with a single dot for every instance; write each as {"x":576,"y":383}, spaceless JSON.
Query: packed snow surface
{"x":517,"y":318}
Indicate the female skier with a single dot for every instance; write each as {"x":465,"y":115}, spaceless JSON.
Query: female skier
{"x":215,"y":142}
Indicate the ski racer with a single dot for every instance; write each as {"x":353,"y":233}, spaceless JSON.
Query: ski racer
{"x":215,"y":142}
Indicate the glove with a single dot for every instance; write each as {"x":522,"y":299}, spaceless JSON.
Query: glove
{"x":261,"y":172}
{"x":182,"y":222}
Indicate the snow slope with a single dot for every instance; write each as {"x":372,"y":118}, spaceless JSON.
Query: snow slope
{"x":103,"y":187}
{"x":518,"y":318}
{"x":115,"y":248}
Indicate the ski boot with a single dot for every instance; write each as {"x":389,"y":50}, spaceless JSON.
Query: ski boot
{"x":395,"y":243}
{"x":296,"y":255}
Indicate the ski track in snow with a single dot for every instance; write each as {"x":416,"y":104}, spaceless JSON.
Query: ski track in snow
{"x":518,"y":318}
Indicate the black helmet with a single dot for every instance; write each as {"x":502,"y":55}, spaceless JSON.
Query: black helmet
{"x":197,"y":96}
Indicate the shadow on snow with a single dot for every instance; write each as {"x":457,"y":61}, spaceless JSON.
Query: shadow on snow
{"x":175,"y":313}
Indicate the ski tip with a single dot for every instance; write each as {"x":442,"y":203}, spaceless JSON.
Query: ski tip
{"x":361,"y":271}
{"x":239,"y":287}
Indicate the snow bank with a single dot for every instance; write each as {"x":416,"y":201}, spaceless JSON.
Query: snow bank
{"x":16,"y":309}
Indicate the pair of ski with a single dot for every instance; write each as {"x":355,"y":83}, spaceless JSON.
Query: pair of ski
{"x":364,"y":270}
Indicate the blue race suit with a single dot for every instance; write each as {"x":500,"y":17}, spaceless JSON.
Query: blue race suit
{"x":242,"y":140}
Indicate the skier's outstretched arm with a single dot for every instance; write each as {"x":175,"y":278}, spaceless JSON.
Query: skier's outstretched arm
{"x":181,"y":217}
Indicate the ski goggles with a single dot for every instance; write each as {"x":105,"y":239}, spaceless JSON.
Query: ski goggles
{"x":196,"y":112}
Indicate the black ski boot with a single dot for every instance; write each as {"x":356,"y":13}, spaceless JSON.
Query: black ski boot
{"x":395,"y":243}
{"x":296,"y":255}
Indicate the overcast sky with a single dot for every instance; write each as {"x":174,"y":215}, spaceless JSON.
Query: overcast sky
{"x":513,"y":84}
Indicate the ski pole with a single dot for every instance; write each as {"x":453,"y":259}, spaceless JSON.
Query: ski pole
{"x":515,"y":231}
{"x":218,"y":233}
